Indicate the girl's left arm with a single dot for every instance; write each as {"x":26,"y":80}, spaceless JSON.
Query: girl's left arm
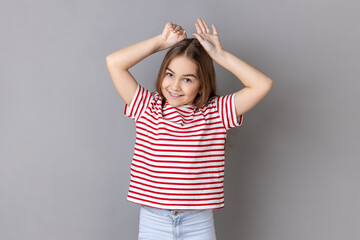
{"x":257,"y":84}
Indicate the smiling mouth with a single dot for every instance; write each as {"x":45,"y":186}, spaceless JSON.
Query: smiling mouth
{"x":174,"y":95}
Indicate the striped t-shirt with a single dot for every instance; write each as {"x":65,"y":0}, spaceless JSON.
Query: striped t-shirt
{"x":179,"y":152}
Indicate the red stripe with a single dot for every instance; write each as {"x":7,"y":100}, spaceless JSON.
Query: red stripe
{"x":134,"y":103}
{"x":182,"y":204}
{"x":180,"y":150}
{"x":178,"y":194}
{"x":219,"y":111}
{"x":176,"y":178}
{"x":203,"y":123}
{"x":156,"y":110}
{"x":183,"y":127}
{"x":188,"y":131}
{"x":193,"y":135}
{"x":225,"y":111}
{"x":179,"y":145}
{"x":194,"y":121}
{"x":137,"y":104}
{"x":185,"y":162}
{"x":142,"y":106}
{"x":177,"y":118}
{"x":146,"y":100}
{"x":176,"y":167}
{"x":175,"y":199}
{"x":158,"y":107}
{"x":177,"y":189}
{"x":180,"y":173}
{"x":169,"y":111}
{"x":179,"y":156}
{"x":172,"y":183}
{"x":180,"y":140}
{"x":231,"y":110}
{"x":125,"y":109}
{"x":176,"y":110}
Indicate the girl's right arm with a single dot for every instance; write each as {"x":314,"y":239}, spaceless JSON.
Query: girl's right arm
{"x":119,"y":62}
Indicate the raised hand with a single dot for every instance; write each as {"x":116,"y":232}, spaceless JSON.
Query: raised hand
{"x":210,"y":41}
{"x":171,"y":35}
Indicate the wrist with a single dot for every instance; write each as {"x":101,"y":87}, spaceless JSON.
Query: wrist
{"x":160,"y":43}
{"x":219,"y":55}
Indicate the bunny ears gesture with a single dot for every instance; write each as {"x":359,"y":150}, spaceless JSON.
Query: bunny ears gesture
{"x":210,"y":41}
{"x":174,"y":33}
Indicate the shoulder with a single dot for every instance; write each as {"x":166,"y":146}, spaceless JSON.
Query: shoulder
{"x":211,"y":102}
{"x":147,"y":94}
{"x":156,"y":98}
{"x":219,"y":103}
{"x":155,"y":101}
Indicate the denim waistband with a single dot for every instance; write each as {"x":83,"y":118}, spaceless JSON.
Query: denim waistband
{"x":173,"y":212}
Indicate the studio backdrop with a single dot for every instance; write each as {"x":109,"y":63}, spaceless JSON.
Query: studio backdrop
{"x":292,"y":168}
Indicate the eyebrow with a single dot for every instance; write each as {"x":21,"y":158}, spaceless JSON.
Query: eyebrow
{"x":185,"y":75}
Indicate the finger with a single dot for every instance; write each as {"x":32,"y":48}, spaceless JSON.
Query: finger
{"x":198,"y":37}
{"x":198,"y":29}
{"x":214,"y":29}
{"x":180,"y":32}
{"x":177,"y":28}
{"x":206,"y":26}
{"x":184,"y":32}
{"x":168,"y":25}
{"x":201,"y":24}
{"x":173,"y":26}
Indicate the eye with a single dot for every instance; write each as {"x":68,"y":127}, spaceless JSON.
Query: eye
{"x":169,"y":74}
{"x":187,"y":80}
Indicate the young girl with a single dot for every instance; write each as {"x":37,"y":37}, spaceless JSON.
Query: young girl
{"x":177,"y":172}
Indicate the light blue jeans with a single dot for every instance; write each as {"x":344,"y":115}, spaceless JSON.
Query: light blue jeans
{"x":161,"y":224}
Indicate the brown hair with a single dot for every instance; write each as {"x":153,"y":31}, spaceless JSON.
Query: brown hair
{"x":191,"y":48}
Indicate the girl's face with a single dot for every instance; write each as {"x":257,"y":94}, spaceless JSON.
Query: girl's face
{"x":180,"y":85}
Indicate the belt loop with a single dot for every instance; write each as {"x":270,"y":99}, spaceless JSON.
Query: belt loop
{"x":177,"y":212}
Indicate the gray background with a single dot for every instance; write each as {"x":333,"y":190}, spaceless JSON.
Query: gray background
{"x":292,"y":169}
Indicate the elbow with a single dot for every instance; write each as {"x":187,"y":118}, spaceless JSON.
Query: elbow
{"x":271,"y":83}
{"x":113,"y":63}
{"x":267,"y":85}
{"x":268,"y":82}
{"x":108,"y":60}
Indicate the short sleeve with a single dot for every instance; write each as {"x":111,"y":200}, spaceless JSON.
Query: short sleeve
{"x":226,"y":108}
{"x":138,"y":104}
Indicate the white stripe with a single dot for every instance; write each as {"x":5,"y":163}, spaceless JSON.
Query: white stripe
{"x":188,"y":157}
{"x":165,"y":191}
{"x":168,"y":184}
{"x":176,"y":151}
{"x":190,"y":177}
{"x":169,"y":181}
{"x":178,"y":170}
{"x":180,"y":202}
{"x":164,"y":195}
{"x":175,"y":164}
{"x":216,"y":205}
{"x":201,"y":145}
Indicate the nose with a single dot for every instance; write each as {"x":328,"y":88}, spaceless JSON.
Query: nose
{"x":176,"y":85}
